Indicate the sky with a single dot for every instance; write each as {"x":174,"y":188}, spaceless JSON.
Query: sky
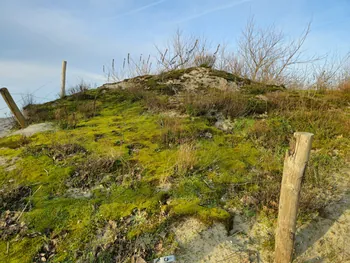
{"x":36,"y":35}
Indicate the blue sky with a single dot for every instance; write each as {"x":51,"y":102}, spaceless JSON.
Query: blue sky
{"x":36,"y":35}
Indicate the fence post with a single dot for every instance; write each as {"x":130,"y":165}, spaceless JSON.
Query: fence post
{"x":13,"y":107}
{"x":293,"y":173}
{"x":63,"y":83}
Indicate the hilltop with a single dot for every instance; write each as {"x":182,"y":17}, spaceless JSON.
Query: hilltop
{"x":188,"y":162}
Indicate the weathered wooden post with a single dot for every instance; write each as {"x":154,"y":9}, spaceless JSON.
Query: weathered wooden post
{"x":293,"y":172}
{"x":13,"y":107}
{"x":63,"y":83}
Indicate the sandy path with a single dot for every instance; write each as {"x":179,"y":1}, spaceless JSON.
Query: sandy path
{"x":327,"y":238}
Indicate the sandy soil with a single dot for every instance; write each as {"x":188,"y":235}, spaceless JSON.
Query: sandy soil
{"x":325,"y":239}
{"x":6,"y":125}
{"x":35,"y":128}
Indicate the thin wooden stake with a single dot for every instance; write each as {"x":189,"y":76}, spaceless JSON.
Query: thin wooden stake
{"x":13,"y":107}
{"x":293,"y":172}
{"x":63,"y":83}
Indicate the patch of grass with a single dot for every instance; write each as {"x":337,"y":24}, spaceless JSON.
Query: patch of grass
{"x":186,"y":159}
{"x":230,"y":103}
{"x":14,"y":142}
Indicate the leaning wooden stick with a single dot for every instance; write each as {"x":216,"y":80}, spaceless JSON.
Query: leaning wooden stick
{"x":293,"y":172}
{"x":13,"y":107}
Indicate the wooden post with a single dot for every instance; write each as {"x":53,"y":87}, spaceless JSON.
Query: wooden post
{"x":293,"y":173}
{"x":63,"y":83}
{"x":13,"y":107}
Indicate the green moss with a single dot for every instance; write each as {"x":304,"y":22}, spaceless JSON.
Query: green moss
{"x":229,"y":76}
{"x":22,"y":250}
{"x":173,"y":74}
{"x":186,"y":207}
{"x":14,"y":142}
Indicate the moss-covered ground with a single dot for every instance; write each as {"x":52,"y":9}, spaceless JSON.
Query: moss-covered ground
{"x":120,"y":170}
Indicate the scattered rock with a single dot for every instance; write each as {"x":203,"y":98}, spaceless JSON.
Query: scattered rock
{"x":78,"y":193}
{"x":224,"y":124}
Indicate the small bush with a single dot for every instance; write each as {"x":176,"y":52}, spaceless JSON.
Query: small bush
{"x":207,"y":61}
{"x":66,"y":119}
{"x":345,"y":86}
{"x":79,"y":89}
{"x":290,"y":101}
{"x":172,"y":131}
{"x":230,"y":103}
{"x":27,"y":100}
{"x":38,"y":113}
{"x":88,"y":109}
{"x":156,"y":102}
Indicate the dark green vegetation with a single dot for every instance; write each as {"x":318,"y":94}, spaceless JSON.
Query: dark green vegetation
{"x":125,"y":164}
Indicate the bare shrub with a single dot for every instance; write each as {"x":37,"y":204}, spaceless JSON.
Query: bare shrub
{"x":130,"y":68}
{"x":173,"y":131}
{"x":88,"y":109}
{"x":27,"y":100}
{"x":179,"y":52}
{"x":268,"y":55}
{"x":80,"y":88}
{"x":66,"y":119}
{"x":330,"y":73}
{"x":182,"y":51}
{"x":156,"y":103}
{"x":207,"y":61}
{"x":229,"y":103}
{"x":344,"y":86}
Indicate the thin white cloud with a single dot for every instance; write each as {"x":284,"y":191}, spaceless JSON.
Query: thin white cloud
{"x":139,"y":9}
{"x":212,"y":10}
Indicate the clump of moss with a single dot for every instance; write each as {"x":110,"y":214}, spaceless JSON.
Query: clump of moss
{"x":14,"y":142}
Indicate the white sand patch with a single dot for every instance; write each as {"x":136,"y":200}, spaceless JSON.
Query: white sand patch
{"x":35,"y":128}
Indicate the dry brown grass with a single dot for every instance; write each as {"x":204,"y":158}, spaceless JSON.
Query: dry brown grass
{"x":173,"y":132}
{"x":186,"y":159}
{"x":345,"y":86}
{"x":66,"y":119}
{"x":229,"y":103}
{"x":88,"y":109}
